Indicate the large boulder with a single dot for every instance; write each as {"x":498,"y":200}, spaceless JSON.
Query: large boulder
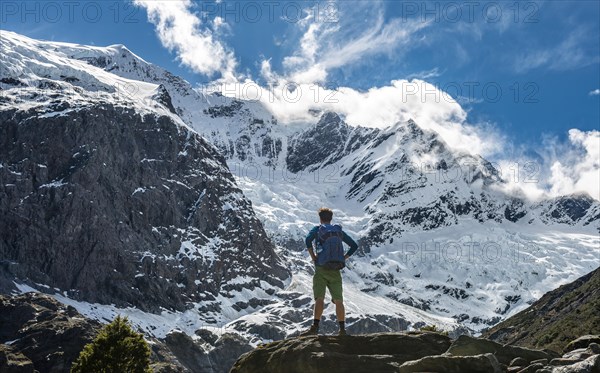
{"x":410,"y":352}
{"x":582,"y":342}
{"x":469,"y":346}
{"x":362,"y":353}
{"x":485,"y":363}
{"x":589,"y":365}
{"x":582,"y":360}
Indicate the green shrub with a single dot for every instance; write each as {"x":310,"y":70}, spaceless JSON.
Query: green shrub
{"x":116,"y":349}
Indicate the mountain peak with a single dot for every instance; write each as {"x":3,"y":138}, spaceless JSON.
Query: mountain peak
{"x":329,"y":117}
{"x":414,"y":127}
{"x":118,"y":47}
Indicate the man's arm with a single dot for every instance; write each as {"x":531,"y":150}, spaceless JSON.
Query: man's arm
{"x":350,"y":242}
{"x":312,"y":235}
{"x":312,"y":254}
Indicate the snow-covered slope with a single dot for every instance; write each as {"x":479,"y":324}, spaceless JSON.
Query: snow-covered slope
{"x":37,"y":74}
{"x":441,"y":242}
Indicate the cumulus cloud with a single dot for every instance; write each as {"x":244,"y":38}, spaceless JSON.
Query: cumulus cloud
{"x":379,"y":107}
{"x":181,"y":31}
{"x":579,"y":171}
{"x":595,"y":92}
{"x":558,"y":168}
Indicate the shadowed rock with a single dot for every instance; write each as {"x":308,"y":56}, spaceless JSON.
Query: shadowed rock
{"x":198,"y":356}
{"x":486,"y":363}
{"x":39,"y":333}
{"x":14,"y":362}
{"x":468,"y":346}
{"x":408,"y":353}
{"x":582,"y":342}
{"x":362,"y":353}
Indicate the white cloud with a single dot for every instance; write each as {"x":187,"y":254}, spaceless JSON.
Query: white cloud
{"x":219,"y":25}
{"x":580,"y":170}
{"x":180,"y":30}
{"x":361,"y":32}
{"x":379,"y":107}
{"x":425,"y":74}
{"x":595,"y":92}
{"x":560,"y":168}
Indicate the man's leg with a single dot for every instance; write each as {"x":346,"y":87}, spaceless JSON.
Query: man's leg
{"x":319,"y":286}
{"x":335,"y":288}
{"x":319,"y":306}
{"x":340,"y":311}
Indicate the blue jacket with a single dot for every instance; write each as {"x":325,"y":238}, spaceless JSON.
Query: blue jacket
{"x":312,"y":235}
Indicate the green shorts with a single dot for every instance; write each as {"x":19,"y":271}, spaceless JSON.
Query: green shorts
{"x":330,"y":279}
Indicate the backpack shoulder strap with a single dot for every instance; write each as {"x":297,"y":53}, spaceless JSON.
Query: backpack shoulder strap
{"x":327,"y":231}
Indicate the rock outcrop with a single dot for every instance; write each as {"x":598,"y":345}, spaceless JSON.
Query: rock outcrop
{"x":468,"y":346}
{"x":410,"y":353}
{"x":209,"y":353}
{"x":39,"y":334}
{"x":372,"y":352}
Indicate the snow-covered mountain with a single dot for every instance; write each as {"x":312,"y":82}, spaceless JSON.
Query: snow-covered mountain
{"x":111,"y":198}
{"x":440,"y":240}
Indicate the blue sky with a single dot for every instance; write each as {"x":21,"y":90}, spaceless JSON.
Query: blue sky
{"x":542,"y":56}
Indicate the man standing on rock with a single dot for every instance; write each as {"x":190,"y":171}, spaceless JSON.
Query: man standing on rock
{"x":329,"y":260}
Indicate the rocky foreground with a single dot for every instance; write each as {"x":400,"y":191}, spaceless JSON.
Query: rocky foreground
{"x":414,"y":352}
{"x":39,"y":334}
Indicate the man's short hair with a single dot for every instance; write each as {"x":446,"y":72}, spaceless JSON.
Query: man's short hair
{"x":325,"y":214}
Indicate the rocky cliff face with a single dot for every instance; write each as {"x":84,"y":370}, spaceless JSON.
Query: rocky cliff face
{"x":325,"y":143}
{"x":113,"y":206}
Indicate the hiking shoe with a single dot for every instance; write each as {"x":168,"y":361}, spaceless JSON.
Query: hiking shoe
{"x":342,"y":333}
{"x":314,"y":330}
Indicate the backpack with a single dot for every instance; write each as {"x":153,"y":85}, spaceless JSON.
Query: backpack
{"x":330,"y":248}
